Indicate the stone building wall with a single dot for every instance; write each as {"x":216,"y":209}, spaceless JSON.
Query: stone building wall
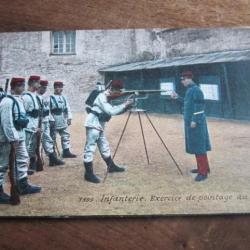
{"x":27,"y":53}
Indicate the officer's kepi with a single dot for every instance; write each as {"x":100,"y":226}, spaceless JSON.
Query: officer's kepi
{"x":187,"y":74}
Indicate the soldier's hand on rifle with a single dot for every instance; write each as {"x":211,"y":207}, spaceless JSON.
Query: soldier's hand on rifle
{"x":38,"y":130}
{"x":52,"y":124}
{"x":15,"y":143}
{"x":174,"y":95}
{"x":69,"y":122}
{"x":193,"y":124}
{"x":128,"y":102}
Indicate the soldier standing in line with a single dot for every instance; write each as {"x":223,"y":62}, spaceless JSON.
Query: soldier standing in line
{"x":61,"y":113}
{"x":196,"y":132}
{"x":100,"y":113}
{"x":13,"y":120}
{"x":33,"y":111}
{"x":47,"y":142}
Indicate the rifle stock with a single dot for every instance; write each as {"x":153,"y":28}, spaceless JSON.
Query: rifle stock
{"x":38,"y":153}
{"x":14,"y":195}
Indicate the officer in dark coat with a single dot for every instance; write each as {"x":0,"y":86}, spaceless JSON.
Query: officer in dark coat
{"x":196,"y":132}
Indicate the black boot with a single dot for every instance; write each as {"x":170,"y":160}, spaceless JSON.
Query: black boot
{"x":25,"y":188}
{"x":4,"y":198}
{"x":194,"y":171}
{"x":68,"y":154}
{"x":200,"y":177}
{"x":33,"y":166}
{"x":54,"y":161}
{"x":89,"y":174}
{"x":112,"y":167}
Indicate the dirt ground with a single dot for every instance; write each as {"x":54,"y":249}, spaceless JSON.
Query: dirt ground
{"x":157,"y":188}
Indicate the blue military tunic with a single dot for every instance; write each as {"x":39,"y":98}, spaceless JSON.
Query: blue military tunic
{"x":196,"y":139}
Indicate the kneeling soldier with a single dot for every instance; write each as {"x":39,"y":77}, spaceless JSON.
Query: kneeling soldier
{"x":47,"y":142}
{"x":100,"y":113}
{"x":61,"y":113}
{"x":13,"y":121}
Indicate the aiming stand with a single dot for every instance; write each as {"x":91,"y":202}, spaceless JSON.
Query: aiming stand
{"x":139,"y":112}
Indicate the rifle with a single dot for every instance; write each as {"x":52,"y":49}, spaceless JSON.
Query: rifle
{"x":142,"y":91}
{"x":38,"y":138}
{"x":6,"y":85}
{"x":136,"y":92}
{"x":14,"y":195}
{"x":53,"y":136}
{"x":57,"y":150}
{"x":3,"y":92}
{"x":108,"y":85}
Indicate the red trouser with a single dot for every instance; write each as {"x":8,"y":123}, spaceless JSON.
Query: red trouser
{"x":202,"y":164}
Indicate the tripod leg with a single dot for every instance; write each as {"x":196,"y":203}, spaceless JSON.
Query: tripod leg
{"x":116,"y":149}
{"x":144,"y":141}
{"x":176,"y":164}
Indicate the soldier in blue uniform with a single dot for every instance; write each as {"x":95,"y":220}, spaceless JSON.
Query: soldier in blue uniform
{"x":196,"y":132}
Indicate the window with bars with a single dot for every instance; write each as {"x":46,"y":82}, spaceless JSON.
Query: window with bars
{"x":63,"y":42}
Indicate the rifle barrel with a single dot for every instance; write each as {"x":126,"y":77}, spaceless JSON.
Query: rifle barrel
{"x":144,"y":91}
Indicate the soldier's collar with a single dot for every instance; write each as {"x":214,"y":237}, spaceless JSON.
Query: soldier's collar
{"x":191,"y":85}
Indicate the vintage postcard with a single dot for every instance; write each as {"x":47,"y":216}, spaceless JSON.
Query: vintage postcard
{"x":125,"y":122}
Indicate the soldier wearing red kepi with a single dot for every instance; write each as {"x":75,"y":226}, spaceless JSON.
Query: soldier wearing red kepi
{"x":61,"y":113}
{"x":100,"y":112}
{"x":47,"y":141}
{"x":13,"y":122}
{"x":196,"y":132}
{"x":33,"y":111}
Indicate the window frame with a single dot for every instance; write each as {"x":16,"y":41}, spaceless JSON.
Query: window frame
{"x":219,"y":85}
{"x":167,"y":80}
{"x":64,"y":43}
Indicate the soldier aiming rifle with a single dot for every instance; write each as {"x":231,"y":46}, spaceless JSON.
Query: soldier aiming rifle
{"x":100,"y":112}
